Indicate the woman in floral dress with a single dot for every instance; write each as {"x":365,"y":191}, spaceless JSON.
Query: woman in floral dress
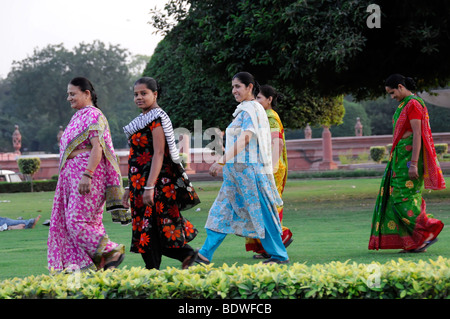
{"x":248,"y":199}
{"x":159,"y":188}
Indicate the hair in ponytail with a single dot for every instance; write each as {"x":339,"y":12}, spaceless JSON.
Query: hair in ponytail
{"x":269,"y":91}
{"x":395,"y":79}
{"x":85,"y":85}
{"x":247,"y":78}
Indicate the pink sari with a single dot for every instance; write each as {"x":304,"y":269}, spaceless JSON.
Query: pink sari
{"x":77,"y":237}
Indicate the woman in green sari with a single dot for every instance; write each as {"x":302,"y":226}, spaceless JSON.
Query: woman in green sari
{"x":400,"y":220}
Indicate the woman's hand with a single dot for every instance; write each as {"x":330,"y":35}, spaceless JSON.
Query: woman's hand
{"x":148,"y":197}
{"x":84,"y":186}
{"x":126,"y":199}
{"x":413,"y":172}
{"x":215,"y":169}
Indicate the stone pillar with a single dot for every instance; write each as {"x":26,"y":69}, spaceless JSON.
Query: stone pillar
{"x":358,"y":127}
{"x":17,"y":140}
{"x":327,"y":160}
{"x":308,"y":132}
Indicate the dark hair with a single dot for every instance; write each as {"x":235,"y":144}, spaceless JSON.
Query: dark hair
{"x":395,"y":79}
{"x":150,"y":83}
{"x":246,"y":78}
{"x":85,"y":85}
{"x":269,"y":91}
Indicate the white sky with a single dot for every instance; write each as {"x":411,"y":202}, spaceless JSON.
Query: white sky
{"x":29,"y":24}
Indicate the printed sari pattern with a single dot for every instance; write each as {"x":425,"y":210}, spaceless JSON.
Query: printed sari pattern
{"x":77,"y":238}
{"x":400,"y":220}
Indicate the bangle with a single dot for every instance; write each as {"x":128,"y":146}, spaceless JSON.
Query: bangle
{"x":92,"y":172}
{"x":222,"y":164}
{"x":149,"y":187}
{"x":87,"y":175}
{"x":126,"y":187}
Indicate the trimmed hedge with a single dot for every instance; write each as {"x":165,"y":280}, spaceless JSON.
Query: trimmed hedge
{"x":38,"y":186}
{"x":395,"y":279}
{"x":25,"y":187}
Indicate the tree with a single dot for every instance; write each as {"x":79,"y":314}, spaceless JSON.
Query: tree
{"x":310,"y":50}
{"x":28,"y":167}
{"x":198,"y":81}
{"x":34,"y":93}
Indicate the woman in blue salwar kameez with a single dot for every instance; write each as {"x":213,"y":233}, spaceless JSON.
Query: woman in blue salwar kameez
{"x":248,"y":199}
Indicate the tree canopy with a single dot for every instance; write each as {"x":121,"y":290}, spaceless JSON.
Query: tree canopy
{"x":312,"y":51}
{"x":34,"y":93}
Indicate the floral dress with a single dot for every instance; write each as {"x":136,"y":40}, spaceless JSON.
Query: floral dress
{"x":245,"y":189}
{"x":173,"y":193}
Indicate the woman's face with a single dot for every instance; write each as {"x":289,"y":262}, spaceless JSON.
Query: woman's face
{"x":264,"y":101}
{"x":240,"y":91}
{"x":399,"y":93}
{"x":77,"y":98}
{"x":144,"y":98}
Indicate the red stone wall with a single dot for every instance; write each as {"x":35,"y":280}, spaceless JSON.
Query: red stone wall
{"x":303,"y":155}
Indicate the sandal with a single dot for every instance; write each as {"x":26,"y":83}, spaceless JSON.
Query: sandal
{"x":421,"y":249}
{"x":427,"y":244}
{"x":261,"y":256}
{"x":115,"y":263}
{"x":199,"y":260}
{"x":286,"y":245}
{"x":190,"y":260}
{"x":276,"y":261}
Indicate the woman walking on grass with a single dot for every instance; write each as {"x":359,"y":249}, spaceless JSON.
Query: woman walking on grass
{"x":400,"y":220}
{"x":268,"y":97}
{"x":89,"y":177}
{"x":159,"y":188}
{"x":247,"y":201}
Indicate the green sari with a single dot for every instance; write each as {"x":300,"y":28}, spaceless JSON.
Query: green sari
{"x":400,"y":220}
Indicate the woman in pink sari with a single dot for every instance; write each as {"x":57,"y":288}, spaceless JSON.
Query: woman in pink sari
{"x":89,"y":177}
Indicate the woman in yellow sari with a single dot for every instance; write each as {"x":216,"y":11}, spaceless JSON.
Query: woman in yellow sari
{"x":268,"y":98}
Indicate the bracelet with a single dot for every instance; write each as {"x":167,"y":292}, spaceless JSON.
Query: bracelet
{"x":87,"y":175}
{"x":92,"y":172}
{"x":126,"y":187}
{"x":149,"y":187}
{"x":222,"y":164}
{"x":412,"y":165}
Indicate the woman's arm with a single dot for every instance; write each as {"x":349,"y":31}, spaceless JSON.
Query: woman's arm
{"x":238,"y":146}
{"x":159,"y":143}
{"x":416,"y":147}
{"x":277,"y":150}
{"x":95,"y":156}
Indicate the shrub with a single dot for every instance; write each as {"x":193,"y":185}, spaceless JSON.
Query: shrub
{"x":392,"y":280}
{"x":441,"y":149}
{"x":24,"y":187}
{"x":377,"y":153}
{"x":29,"y":166}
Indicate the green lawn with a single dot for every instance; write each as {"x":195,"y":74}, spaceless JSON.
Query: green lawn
{"x":330,"y":220}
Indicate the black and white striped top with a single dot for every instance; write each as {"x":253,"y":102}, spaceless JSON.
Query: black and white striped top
{"x":144,"y":119}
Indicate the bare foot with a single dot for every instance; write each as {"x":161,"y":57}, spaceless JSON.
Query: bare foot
{"x":35,"y":221}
